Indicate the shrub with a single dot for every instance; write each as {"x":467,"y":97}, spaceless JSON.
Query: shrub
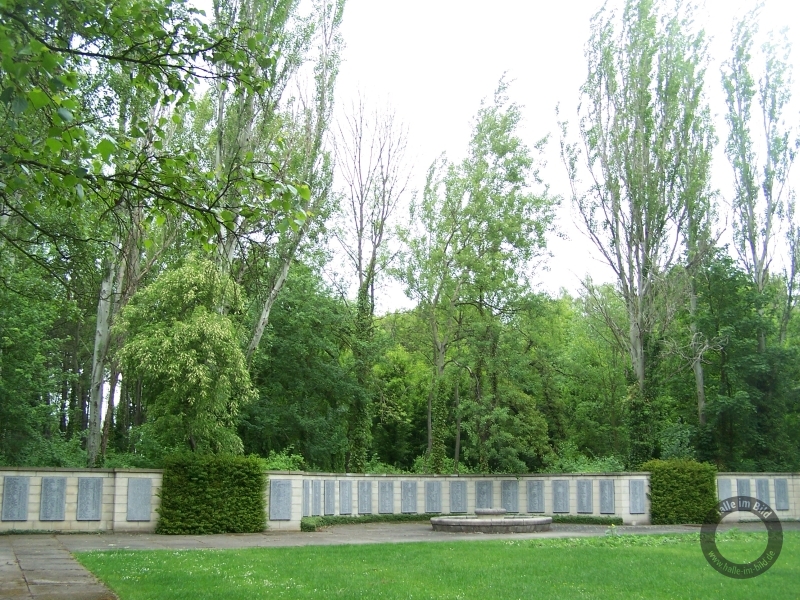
{"x":203,"y":494}
{"x":682,"y":491}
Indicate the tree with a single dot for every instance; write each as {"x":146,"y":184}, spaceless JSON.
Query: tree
{"x":478,"y":229}
{"x":643,"y":122}
{"x":761,"y":182}
{"x":371,"y":157}
{"x":188,"y":357}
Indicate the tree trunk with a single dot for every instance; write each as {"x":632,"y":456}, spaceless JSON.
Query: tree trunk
{"x":457,"y":451}
{"x":697,"y":358}
{"x":102,"y":339}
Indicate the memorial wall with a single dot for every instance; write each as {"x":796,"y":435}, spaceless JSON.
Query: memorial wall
{"x":126,"y":500}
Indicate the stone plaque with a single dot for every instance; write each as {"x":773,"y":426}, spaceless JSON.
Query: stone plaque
{"x":509,"y":495}
{"x":365,"y":497}
{"x":561,"y":496}
{"x":585,"y":503}
{"x":306,"y":498}
{"x":140,"y":492}
{"x":345,"y":497}
{"x":458,"y":496}
{"x":280,"y":499}
{"x":316,"y":498}
{"x":637,"y":496}
{"x":54,"y":499}
{"x":408,"y":497}
{"x":742,"y":487}
{"x":607,"y":504}
{"x":433,"y":496}
{"x":781,"y":494}
{"x":90,"y":498}
{"x":536,"y":496}
{"x":386,"y":497}
{"x":724,"y":489}
{"x":330,"y":497}
{"x":483,"y":494}
{"x":15,"y":498}
{"x":762,"y":490}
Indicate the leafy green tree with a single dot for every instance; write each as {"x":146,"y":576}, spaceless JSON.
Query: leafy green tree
{"x":188,"y":357}
{"x":643,"y":122}
{"x":761,"y":182}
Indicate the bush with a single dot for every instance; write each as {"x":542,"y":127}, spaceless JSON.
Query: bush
{"x":315,"y":523}
{"x":586,"y":520}
{"x":682,"y":491}
{"x":203,"y":494}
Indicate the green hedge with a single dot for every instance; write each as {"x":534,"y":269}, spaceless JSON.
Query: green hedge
{"x":315,"y":523}
{"x":203,"y":494}
{"x":586,"y":520}
{"x":682,"y":491}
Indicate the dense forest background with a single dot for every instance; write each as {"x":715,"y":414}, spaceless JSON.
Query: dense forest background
{"x":174,"y":188}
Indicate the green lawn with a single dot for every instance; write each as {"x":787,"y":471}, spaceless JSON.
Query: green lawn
{"x":610,"y":567}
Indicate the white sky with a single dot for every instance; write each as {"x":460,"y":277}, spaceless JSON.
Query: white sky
{"x":434,"y":60}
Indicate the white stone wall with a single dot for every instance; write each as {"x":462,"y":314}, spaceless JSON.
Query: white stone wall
{"x":621,"y":481}
{"x":113,"y":515}
{"x":113,"y":506}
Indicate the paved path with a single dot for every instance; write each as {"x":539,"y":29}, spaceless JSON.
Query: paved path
{"x":40,"y":566}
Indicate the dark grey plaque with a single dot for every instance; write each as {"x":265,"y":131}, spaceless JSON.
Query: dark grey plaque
{"x":607,"y":505}
{"x":433,"y":496}
{"x":345,"y":497}
{"x":458,"y":496}
{"x":306,"y":498}
{"x":781,"y":494}
{"x":483,"y":494}
{"x":742,"y":487}
{"x":90,"y":498}
{"x":724,"y":489}
{"x":561,"y":496}
{"x":536,"y":496}
{"x":585,"y":501}
{"x":330,"y":497}
{"x":54,"y":499}
{"x":316,"y":498}
{"x":762,"y":490}
{"x":386,"y":497}
{"x":509,"y":496}
{"x":637,"y":496}
{"x":408,"y":497}
{"x":140,"y":493}
{"x":15,"y":498}
{"x":365,"y":497}
{"x":280,"y":499}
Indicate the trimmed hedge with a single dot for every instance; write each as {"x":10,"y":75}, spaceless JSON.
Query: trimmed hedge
{"x":203,"y":494}
{"x":682,"y":491}
{"x":586,"y":520}
{"x":316,"y":523}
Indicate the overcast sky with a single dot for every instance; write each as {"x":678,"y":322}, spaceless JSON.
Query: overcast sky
{"x":434,"y":60}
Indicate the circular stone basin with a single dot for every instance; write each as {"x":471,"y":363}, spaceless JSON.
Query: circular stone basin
{"x":491,"y":520}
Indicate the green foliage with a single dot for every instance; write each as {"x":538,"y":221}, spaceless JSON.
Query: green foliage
{"x":284,"y":461}
{"x":569,"y":460}
{"x":204,"y":494}
{"x":586,"y":520}
{"x":311,"y":524}
{"x":682,"y":491}
{"x":188,"y":357}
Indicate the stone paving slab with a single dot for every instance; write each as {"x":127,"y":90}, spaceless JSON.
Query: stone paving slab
{"x":39,"y":567}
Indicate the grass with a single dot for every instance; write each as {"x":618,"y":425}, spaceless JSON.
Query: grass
{"x":668,"y":566}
